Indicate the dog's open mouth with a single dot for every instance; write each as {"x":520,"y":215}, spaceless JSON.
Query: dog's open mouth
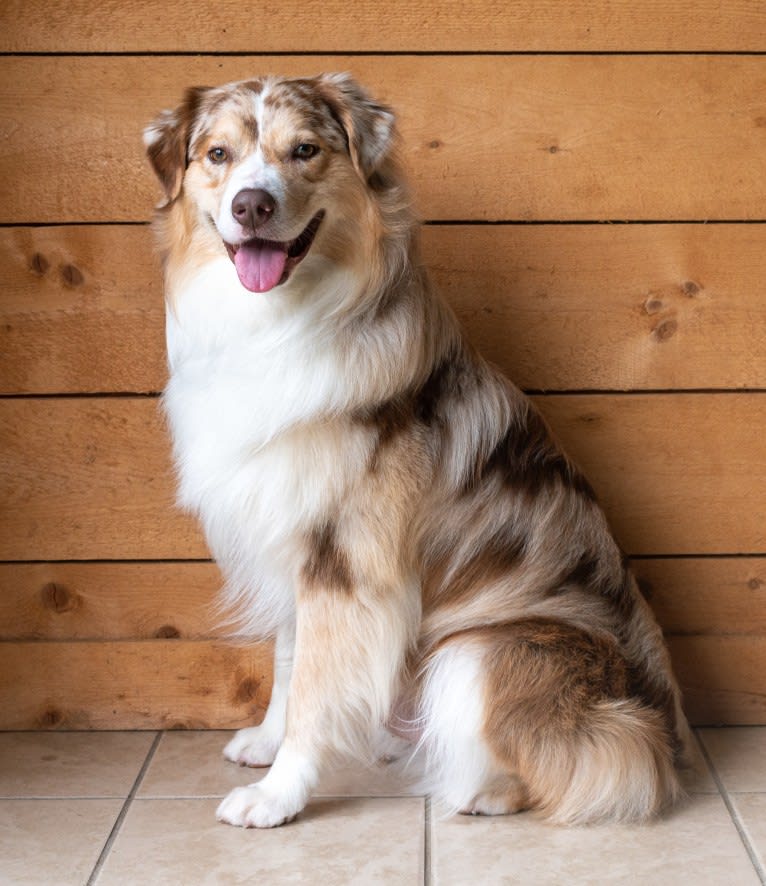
{"x":263,"y":264}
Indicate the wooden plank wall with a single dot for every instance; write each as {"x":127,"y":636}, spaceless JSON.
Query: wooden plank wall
{"x":593,"y":177}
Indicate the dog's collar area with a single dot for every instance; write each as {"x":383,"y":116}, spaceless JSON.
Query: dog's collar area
{"x":263,"y":264}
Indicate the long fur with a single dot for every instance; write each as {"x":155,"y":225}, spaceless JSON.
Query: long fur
{"x":379,"y":496}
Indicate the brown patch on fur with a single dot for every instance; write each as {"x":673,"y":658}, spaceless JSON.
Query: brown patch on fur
{"x":500,"y":553}
{"x":421,"y":405}
{"x":526,"y":459}
{"x":547,"y":674}
{"x":592,"y":574}
{"x":167,"y":150}
{"x":327,"y":565}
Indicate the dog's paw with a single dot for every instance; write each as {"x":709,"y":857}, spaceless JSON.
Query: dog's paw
{"x":252,"y":807}
{"x":252,"y":747}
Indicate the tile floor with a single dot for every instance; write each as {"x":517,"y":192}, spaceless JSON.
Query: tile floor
{"x":136,"y":807}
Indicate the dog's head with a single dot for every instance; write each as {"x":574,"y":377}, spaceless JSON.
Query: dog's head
{"x":274,"y":169}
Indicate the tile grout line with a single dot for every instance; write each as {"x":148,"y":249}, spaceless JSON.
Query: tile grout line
{"x":732,"y":810}
{"x":427,"y":873}
{"x":123,"y":811}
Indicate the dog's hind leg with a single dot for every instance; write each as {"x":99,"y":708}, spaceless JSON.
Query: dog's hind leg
{"x":542,"y":714}
{"x":461,"y":771}
{"x":258,"y":745}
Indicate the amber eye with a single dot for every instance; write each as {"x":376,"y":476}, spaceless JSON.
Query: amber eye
{"x":305,"y":151}
{"x":217,"y":155}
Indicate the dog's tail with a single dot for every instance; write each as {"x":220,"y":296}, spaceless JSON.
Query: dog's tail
{"x":618,"y":768}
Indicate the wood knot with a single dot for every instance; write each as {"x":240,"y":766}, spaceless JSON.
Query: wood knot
{"x":691,"y":288}
{"x":435,"y":143}
{"x":58,"y":598}
{"x":51,"y":717}
{"x":653,"y":305}
{"x":71,"y":275}
{"x":665,"y":330}
{"x":247,"y":690}
{"x":553,"y":149}
{"x":167,"y":632}
{"x":754,"y":584}
{"x":38,"y":264}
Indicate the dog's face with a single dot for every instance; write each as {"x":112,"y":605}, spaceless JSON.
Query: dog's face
{"x":273,"y":168}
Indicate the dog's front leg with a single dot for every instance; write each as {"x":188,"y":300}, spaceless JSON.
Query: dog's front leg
{"x":349,"y":651}
{"x":258,"y":745}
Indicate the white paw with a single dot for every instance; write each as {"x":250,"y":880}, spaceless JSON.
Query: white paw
{"x":252,"y":807}
{"x":252,"y":747}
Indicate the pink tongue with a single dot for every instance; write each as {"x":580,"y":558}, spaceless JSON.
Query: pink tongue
{"x":260,"y":265}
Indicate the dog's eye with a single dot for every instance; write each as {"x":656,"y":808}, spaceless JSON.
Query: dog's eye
{"x":217,"y":155}
{"x":305,"y":151}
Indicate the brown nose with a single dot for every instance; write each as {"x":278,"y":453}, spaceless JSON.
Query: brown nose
{"x":252,"y":207}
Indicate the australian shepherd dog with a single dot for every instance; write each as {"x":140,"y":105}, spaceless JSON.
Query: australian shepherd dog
{"x":381,"y":500}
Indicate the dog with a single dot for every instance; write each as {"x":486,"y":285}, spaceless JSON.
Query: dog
{"x":380,"y":499}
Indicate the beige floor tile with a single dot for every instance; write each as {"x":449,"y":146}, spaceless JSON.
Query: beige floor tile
{"x":190,"y":764}
{"x":696,"y":844}
{"x":53,"y":841}
{"x":333,"y":842}
{"x":751,"y":809}
{"x":739,"y":756}
{"x":71,"y":764}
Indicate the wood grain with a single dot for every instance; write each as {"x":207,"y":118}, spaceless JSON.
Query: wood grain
{"x":90,"y":478}
{"x":723,"y":679}
{"x":486,"y":137}
{"x":84,"y":479}
{"x":711,"y":596}
{"x":81,"y":311}
{"x":333,"y":25}
{"x":676,"y":473}
{"x":562,"y":307}
{"x":136,"y":601}
{"x":155,"y":684}
{"x":110,"y":601}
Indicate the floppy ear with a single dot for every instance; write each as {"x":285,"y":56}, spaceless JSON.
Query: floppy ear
{"x":167,"y":141}
{"x":369,"y":126}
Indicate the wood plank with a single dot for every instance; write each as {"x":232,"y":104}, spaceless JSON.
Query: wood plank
{"x":677,"y":473}
{"x":81,"y":311}
{"x":135,"y":601}
{"x":155,"y":684}
{"x":561,"y":307}
{"x":89,"y":479}
{"x":610,"y":306}
{"x":723,"y":679}
{"x":110,"y":601}
{"x":183,"y":684}
{"x":486,"y":137}
{"x":710,"y":596}
{"x":333,"y":25}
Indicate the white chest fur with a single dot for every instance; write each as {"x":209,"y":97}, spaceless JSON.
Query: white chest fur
{"x":262,"y":452}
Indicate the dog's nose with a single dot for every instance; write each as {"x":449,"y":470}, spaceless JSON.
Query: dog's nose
{"x":252,"y":207}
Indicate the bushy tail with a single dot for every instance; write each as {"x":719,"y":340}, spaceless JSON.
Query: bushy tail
{"x":619,"y":768}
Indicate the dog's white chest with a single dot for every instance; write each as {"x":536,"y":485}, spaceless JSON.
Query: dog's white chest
{"x":258,"y":456}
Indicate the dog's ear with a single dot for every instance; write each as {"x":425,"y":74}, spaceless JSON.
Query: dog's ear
{"x":167,"y":141}
{"x":369,"y":126}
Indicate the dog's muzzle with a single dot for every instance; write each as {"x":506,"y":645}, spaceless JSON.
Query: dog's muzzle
{"x":263,"y":264}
